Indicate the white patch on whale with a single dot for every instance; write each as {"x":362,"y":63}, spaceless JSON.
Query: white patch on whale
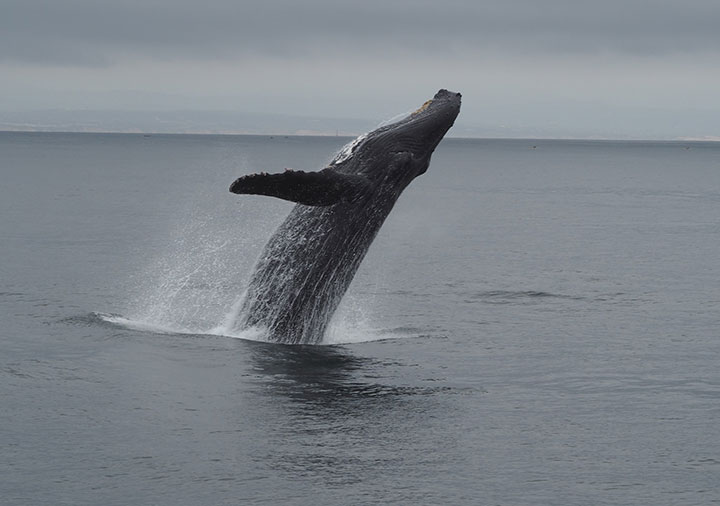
{"x":347,"y":151}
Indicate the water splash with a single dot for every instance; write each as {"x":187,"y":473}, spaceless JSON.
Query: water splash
{"x":201,"y":262}
{"x":195,"y":285}
{"x":342,"y":332}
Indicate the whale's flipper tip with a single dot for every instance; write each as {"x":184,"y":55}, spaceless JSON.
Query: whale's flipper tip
{"x":323,"y":188}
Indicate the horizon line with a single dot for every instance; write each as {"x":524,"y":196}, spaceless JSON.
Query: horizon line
{"x":228,"y":133}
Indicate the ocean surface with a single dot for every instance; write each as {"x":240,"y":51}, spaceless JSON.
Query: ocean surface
{"x":537,"y":323}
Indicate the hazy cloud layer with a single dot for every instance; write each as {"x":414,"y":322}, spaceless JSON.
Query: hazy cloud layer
{"x":95,"y":32}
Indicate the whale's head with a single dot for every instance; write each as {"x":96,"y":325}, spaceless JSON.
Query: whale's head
{"x":421,"y":131}
{"x":405,"y":146}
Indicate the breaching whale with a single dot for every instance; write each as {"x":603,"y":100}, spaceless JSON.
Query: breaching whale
{"x":308,"y":264}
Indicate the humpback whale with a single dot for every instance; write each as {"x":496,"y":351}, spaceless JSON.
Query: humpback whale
{"x":309,"y":262}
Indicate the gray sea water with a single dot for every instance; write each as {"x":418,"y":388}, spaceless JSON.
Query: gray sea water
{"x":537,"y":323}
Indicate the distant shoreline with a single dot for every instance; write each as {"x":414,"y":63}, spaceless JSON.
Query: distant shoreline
{"x":345,"y":135}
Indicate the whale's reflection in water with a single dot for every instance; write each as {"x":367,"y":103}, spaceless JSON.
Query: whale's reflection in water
{"x":327,"y":376}
{"x":336,"y":415}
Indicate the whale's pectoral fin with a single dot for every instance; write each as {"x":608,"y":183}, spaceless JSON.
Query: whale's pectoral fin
{"x":323,"y":188}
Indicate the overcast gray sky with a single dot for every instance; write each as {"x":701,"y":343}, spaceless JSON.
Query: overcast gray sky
{"x":637,"y":68}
